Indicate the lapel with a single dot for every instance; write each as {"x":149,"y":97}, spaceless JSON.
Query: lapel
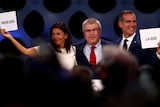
{"x":117,"y":42}
{"x":81,"y":52}
{"x":135,"y":44}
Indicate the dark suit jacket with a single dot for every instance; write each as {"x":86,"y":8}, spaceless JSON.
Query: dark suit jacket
{"x":144,"y":56}
{"x":81,"y":58}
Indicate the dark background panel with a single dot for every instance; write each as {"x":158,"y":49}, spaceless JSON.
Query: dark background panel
{"x":35,"y":17}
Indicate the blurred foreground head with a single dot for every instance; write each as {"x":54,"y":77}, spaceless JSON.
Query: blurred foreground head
{"x":117,"y":68}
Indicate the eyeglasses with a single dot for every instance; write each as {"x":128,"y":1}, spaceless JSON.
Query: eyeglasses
{"x":91,"y":30}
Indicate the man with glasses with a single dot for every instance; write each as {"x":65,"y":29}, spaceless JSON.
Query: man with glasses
{"x":89,"y":51}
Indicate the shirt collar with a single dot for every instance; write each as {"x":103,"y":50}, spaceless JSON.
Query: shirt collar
{"x":99,"y":42}
{"x":129,"y":38}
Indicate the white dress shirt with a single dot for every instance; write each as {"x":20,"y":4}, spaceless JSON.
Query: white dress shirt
{"x":97,"y":50}
{"x":128,"y":42}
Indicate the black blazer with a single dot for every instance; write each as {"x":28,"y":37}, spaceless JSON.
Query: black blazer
{"x":144,"y":56}
{"x":81,"y":58}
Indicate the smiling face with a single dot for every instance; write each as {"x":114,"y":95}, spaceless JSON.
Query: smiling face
{"x":128,"y":24}
{"x":92,"y":33}
{"x":58,"y":37}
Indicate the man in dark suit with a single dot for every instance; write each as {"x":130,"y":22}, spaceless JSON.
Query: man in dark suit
{"x":92,"y":29}
{"x":128,"y":24}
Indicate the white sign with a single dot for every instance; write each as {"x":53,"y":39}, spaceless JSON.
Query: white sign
{"x":149,"y":37}
{"x":8,"y":21}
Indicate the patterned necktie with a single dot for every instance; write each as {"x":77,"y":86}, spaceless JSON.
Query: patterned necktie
{"x":125,"y":44}
{"x":93,"y":57}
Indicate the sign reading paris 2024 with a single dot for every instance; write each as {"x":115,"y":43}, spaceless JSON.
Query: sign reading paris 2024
{"x":149,"y":37}
{"x":8,"y":21}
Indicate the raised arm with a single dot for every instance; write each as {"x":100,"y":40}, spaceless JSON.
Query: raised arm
{"x":31,"y":52}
